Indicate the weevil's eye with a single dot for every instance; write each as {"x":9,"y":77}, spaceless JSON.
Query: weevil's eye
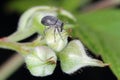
{"x":49,"y":20}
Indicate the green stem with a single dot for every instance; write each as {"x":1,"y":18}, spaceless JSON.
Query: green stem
{"x":38,"y":42}
{"x":22,"y":48}
{"x":10,"y":45}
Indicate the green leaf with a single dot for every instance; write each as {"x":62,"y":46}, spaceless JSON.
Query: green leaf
{"x":17,"y":5}
{"x":100,"y":32}
{"x":73,"y":5}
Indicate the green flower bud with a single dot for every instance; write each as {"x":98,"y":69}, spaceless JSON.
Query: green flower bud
{"x":56,"y":40}
{"x":41,"y":62}
{"x":30,"y":21}
{"x":74,"y":57}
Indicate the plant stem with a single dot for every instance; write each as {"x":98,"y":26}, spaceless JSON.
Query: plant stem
{"x":10,"y":45}
{"x":22,"y":48}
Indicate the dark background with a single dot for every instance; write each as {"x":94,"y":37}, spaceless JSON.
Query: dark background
{"x":8,"y":24}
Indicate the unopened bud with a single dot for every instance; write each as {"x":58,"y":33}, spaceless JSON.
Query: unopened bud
{"x":41,"y":62}
{"x":55,"y":39}
{"x":74,"y":57}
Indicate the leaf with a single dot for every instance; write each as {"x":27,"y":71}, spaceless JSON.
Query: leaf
{"x":99,"y":31}
{"x":73,"y":5}
{"x":17,"y":5}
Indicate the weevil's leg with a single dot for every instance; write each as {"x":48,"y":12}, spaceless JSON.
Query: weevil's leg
{"x":46,"y":30}
{"x":59,"y":33}
{"x":54,"y":35}
{"x":61,"y":28}
{"x":44,"y":33}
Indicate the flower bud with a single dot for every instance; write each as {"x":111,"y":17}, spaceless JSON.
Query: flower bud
{"x":55,"y":39}
{"x":30,"y":21}
{"x":41,"y":62}
{"x":74,"y":57}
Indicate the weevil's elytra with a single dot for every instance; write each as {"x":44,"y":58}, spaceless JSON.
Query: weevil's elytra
{"x":52,"y":21}
{"x":49,"y":20}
